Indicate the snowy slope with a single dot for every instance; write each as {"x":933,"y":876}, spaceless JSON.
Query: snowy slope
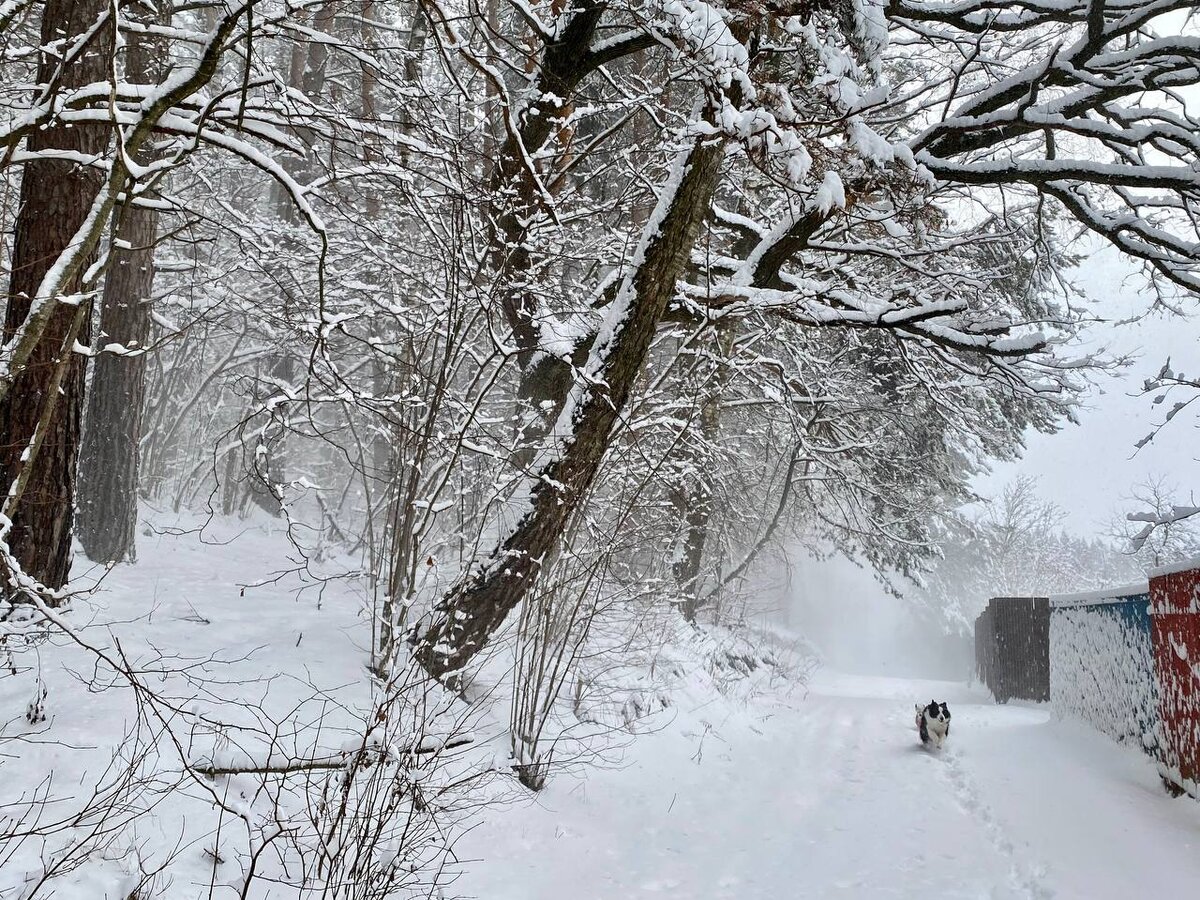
{"x":226,"y":626}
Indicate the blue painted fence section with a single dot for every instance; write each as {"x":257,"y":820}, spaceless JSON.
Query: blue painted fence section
{"x":1102,"y":663}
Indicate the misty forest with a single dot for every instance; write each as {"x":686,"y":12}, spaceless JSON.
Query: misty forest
{"x":456,"y":448}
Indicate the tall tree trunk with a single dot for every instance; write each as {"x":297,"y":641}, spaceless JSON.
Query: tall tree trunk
{"x":268,"y":472}
{"x":108,"y":465}
{"x":465,"y":619}
{"x":697,"y":503}
{"x":398,"y":462}
{"x":56,"y":197}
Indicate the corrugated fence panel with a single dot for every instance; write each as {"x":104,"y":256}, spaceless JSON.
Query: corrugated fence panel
{"x":1012,"y":648}
{"x":985,"y":647}
{"x":1176,"y":628}
{"x":1102,"y":663}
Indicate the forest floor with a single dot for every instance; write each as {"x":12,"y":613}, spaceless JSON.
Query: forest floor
{"x":787,"y":791}
{"x":832,"y":796}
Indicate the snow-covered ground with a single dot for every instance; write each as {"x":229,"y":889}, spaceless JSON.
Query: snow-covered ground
{"x":830,"y":796}
{"x":782,"y":792}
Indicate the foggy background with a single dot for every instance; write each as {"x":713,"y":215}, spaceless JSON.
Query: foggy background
{"x":1087,"y":469}
{"x":857,"y":627}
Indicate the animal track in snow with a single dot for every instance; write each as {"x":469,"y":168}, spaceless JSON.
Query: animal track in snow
{"x":1027,"y":875}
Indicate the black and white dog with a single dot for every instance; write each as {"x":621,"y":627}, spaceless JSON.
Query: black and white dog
{"x":933,"y":723}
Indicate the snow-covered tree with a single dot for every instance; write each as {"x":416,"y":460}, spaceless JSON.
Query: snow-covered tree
{"x":454,"y":282}
{"x":1164,"y":529}
{"x":1016,"y":545}
{"x":828,"y":200}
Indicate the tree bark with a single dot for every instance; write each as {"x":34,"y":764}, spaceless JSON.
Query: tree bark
{"x":108,"y":464}
{"x":467,"y":617}
{"x":544,"y":380}
{"x":56,"y":197}
{"x":697,"y":504}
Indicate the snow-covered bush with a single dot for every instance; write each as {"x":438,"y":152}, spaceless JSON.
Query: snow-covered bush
{"x":1102,"y":663}
{"x":590,"y":671}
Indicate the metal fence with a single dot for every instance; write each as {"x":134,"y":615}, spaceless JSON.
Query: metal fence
{"x":1102,"y":663}
{"x":1175,"y":631}
{"x":1012,"y":648}
{"x":1127,"y":661}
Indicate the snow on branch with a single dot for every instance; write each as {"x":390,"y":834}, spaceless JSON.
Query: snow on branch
{"x":1092,"y":114}
{"x":1156,"y":520}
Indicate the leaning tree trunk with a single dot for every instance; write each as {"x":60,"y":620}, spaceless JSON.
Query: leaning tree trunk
{"x":108,"y":465}
{"x":467,"y":617}
{"x":46,"y":395}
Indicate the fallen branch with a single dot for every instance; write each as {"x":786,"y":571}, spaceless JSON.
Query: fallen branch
{"x":329,"y":763}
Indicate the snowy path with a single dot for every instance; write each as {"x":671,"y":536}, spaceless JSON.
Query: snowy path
{"x":830,"y":797}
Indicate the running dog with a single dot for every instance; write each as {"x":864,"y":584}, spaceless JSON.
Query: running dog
{"x":933,"y":723}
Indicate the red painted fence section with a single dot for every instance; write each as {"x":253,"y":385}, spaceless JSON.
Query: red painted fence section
{"x":1175,"y":625}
